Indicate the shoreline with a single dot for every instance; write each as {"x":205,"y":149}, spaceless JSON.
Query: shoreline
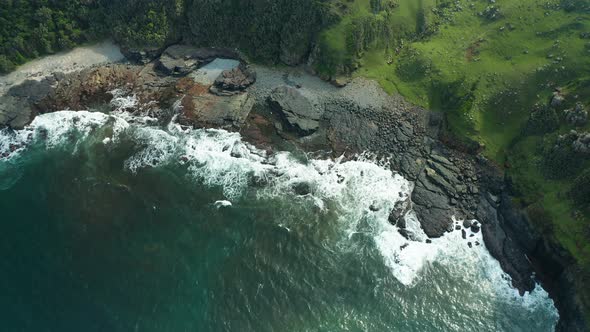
{"x":357,"y":117}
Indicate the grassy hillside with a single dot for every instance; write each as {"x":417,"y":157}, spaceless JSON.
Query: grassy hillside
{"x":486,"y":64}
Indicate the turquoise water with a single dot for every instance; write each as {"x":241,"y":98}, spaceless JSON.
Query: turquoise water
{"x":110,"y":223}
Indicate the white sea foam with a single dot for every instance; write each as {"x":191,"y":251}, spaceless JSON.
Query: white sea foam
{"x":363,"y":192}
{"x":222,"y":204}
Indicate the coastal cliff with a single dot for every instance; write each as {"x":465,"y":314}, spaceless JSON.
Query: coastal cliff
{"x":269,"y":106}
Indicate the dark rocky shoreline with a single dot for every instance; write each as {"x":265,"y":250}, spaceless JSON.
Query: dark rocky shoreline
{"x":314,"y":115}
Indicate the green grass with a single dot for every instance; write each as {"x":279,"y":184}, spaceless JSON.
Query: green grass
{"x":474,"y":50}
{"x":486,"y":76}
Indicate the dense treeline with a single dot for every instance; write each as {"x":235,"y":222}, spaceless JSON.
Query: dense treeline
{"x":144,"y":23}
{"x":30,"y":28}
{"x":267,"y":30}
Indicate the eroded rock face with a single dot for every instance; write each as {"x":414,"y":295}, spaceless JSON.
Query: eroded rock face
{"x":297,"y":110}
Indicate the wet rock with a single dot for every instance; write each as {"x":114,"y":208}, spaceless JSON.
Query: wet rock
{"x":467,"y":223}
{"x":463,"y":234}
{"x":396,"y":217}
{"x":433,"y":211}
{"x":475,"y":228}
{"x":503,"y":248}
{"x":428,"y":241}
{"x":469,"y":244}
{"x":296,"y":109}
{"x":374,"y":207}
{"x":302,"y":188}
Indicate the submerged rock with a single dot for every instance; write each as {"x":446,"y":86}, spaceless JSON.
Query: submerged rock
{"x":302,"y":188}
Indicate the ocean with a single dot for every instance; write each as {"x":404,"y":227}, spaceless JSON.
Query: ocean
{"x":114,"y":222}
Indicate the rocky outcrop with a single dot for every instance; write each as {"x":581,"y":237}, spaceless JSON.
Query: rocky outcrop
{"x":179,"y":60}
{"x":299,"y":113}
{"x":15,"y":112}
{"x":212,"y":111}
{"x":447,"y":182}
{"x":233,"y":81}
{"x":582,"y":143}
{"x":577,"y":116}
{"x":141,"y":56}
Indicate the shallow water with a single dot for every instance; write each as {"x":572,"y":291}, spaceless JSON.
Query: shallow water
{"x":112,"y":224}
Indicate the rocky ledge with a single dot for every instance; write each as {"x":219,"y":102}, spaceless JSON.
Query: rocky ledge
{"x":269,"y":106}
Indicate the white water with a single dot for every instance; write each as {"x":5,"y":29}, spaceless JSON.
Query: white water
{"x":363,"y":191}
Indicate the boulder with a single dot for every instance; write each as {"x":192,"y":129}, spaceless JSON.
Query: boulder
{"x":233,"y":81}
{"x":557,"y":99}
{"x":179,"y":60}
{"x":208,"y":110}
{"x":296,"y":109}
{"x":302,"y":188}
{"x":14,"y":112}
{"x":433,"y":211}
{"x":141,"y":56}
{"x":582,"y":143}
{"x":577,"y":116}
{"x":396,"y":217}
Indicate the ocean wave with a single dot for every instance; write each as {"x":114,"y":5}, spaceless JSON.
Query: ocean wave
{"x":362,"y":191}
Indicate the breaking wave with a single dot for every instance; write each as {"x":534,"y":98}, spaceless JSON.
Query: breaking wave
{"x":360,"y":192}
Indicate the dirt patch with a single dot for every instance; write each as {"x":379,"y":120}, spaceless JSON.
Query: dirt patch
{"x":472,"y":52}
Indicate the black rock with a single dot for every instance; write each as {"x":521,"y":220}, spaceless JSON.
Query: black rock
{"x":302,"y":188}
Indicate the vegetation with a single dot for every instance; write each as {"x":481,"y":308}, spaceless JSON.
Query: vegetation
{"x":144,"y":23}
{"x":29,"y":29}
{"x":490,"y":67}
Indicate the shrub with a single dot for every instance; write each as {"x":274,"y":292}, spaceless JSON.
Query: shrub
{"x":6,"y":65}
{"x":543,"y":119}
{"x":580,"y":191}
